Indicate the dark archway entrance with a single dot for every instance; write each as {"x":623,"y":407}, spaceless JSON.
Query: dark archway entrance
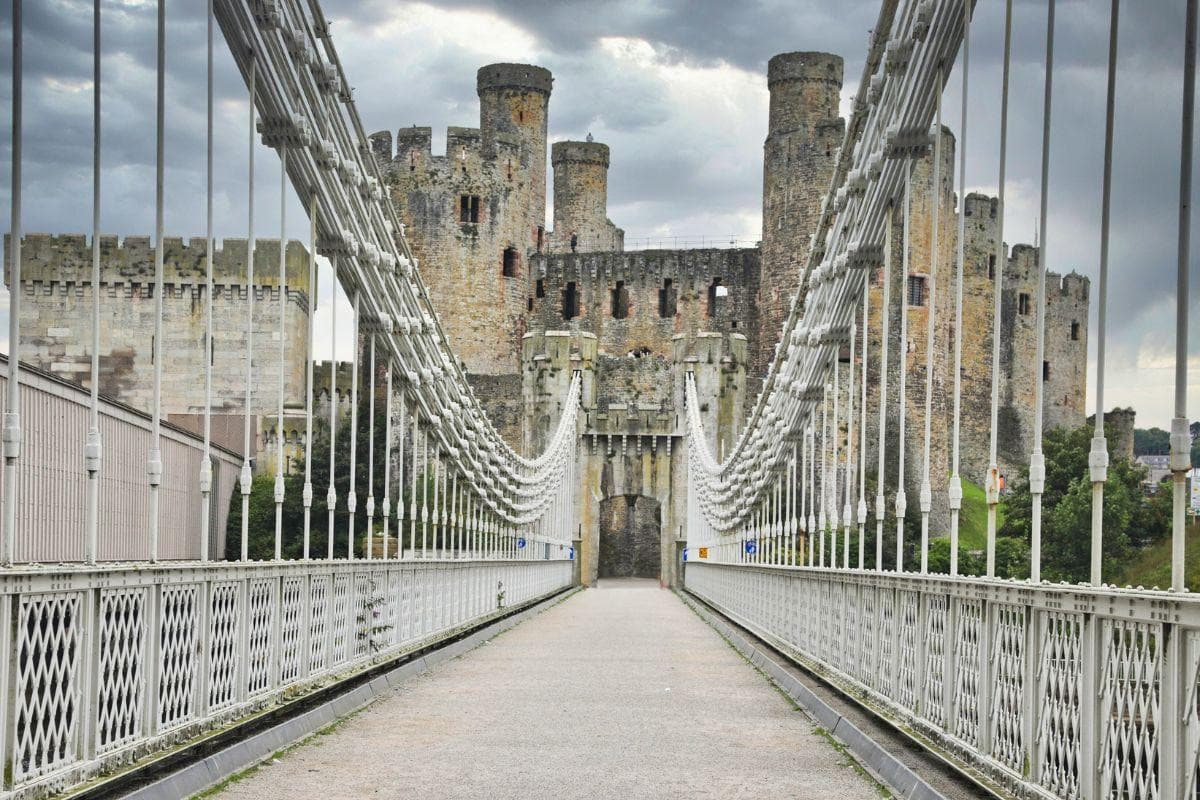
{"x":630,"y":544}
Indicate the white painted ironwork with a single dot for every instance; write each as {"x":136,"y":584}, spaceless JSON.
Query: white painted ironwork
{"x":111,"y":662}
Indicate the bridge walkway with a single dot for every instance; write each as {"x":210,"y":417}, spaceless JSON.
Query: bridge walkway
{"x":619,"y":691}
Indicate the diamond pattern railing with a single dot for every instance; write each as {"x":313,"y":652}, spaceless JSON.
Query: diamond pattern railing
{"x":111,"y":663}
{"x":1048,"y":691}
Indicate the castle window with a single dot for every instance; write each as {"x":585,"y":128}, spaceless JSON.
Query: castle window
{"x":412,"y":161}
{"x":715,"y":291}
{"x":529,"y":304}
{"x":620,"y":301}
{"x":508,"y":263}
{"x":570,"y":301}
{"x":1023,"y":304}
{"x":992,"y":267}
{"x":541,"y":238}
{"x":666,"y":299}
{"x":916,"y":290}
{"x":539,"y":289}
{"x":468,"y":208}
{"x":1074,"y":331}
{"x":1045,"y":370}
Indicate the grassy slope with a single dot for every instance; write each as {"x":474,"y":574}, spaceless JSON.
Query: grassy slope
{"x":1152,"y":566}
{"x":972,"y":525}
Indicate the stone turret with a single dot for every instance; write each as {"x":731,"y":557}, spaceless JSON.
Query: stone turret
{"x":514,"y":99}
{"x":804,"y":133}
{"x":581,"y":199}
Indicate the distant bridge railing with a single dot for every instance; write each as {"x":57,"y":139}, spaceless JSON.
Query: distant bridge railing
{"x":109,"y":664}
{"x":1047,"y":691}
{"x":1068,"y":690}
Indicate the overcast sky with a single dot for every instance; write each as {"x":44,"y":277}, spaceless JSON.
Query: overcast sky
{"x":677,"y":88}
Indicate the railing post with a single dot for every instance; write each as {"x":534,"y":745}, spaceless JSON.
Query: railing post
{"x":9,"y":605}
{"x":1171,"y":763}
{"x":89,"y":658}
{"x":1090,"y":706}
{"x":950,"y":665}
{"x":153,"y":671}
{"x":987,"y":619}
{"x":1031,"y":689}
{"x":204,"y":662}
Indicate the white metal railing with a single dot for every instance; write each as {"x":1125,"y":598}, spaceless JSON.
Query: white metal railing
{"x":109,"y":664}
{"x":1049,"y":691}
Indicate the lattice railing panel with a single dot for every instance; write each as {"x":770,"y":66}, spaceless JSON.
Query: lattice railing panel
{"x":261,"y":609}
{"x":291,"y":630}
{"x":339,"y":621}
{"x":179,"y":623}
{"x":48,"y":683}
{"x":908,"y":619}
{"x":224,"y":643}
{"x":1008,"y":685}
{"x":1130,"y":711}
{"x":122,"y":628}
{"x":318,"y":623}
{"x":933,"y":705}
{"x":1061,"y":676}
{"x":968,"y":630}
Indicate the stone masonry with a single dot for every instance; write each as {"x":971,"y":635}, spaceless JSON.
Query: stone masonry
{"x":56,"y":325}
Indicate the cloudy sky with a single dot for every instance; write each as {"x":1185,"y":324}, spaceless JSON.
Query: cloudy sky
{"x":677,"y":88}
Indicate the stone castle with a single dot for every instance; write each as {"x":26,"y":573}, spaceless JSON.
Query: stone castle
{"x":636,"y":322}
{"x":526,"y":307}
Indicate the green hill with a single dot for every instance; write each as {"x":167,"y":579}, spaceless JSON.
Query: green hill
{"x":1152,"y":566}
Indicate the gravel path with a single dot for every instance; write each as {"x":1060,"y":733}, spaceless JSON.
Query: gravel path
{"x":619,"y":691}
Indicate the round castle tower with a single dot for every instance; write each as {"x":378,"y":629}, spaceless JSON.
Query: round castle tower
{"x":514,"y":99}
{"x":581,"y":198}
{"x":804,"y":133}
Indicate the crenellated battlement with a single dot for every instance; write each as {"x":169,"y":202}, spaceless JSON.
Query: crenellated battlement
{"x":62,"y":259}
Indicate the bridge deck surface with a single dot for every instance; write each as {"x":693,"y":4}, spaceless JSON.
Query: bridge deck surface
{"x":619,"y":691}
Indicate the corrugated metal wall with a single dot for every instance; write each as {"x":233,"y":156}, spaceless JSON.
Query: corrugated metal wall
{"x":53,"y":484}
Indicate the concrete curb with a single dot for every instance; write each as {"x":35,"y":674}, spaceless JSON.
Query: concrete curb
{"x":207,"y":772}
{"x":902,"y":781}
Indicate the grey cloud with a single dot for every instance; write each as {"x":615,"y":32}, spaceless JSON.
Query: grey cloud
{"x":663,"y":176}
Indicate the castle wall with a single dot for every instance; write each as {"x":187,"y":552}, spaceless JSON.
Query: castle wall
{"x":645,"y":330}
{"x":56,"y":323}
{"x":1066,"y":346}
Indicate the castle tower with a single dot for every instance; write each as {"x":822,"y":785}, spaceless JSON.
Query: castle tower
{"x":804,"y":133}
{"x":514,"y":99}
{"x":581,"y":199}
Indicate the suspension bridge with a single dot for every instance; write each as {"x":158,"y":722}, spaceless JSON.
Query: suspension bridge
{"x":143,"y":663}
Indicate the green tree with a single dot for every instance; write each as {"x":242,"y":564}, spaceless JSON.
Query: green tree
{"x":261,"y":538}
{"x":1151,"y":442}
{"x":1131,"y":521}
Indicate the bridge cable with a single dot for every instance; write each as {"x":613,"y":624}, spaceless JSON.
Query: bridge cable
{"x":246,"y":476}
{"x":1037,"y":462}
{"x":1000,"y":257}
{"x":279,"y":433}
{"x":901,"y":397}
{"x":1098,"y":456}
{"x":93,"y":447}
{"x":930,"y":301}
{"x":154,"y":467}
{"x":955,"y":488}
